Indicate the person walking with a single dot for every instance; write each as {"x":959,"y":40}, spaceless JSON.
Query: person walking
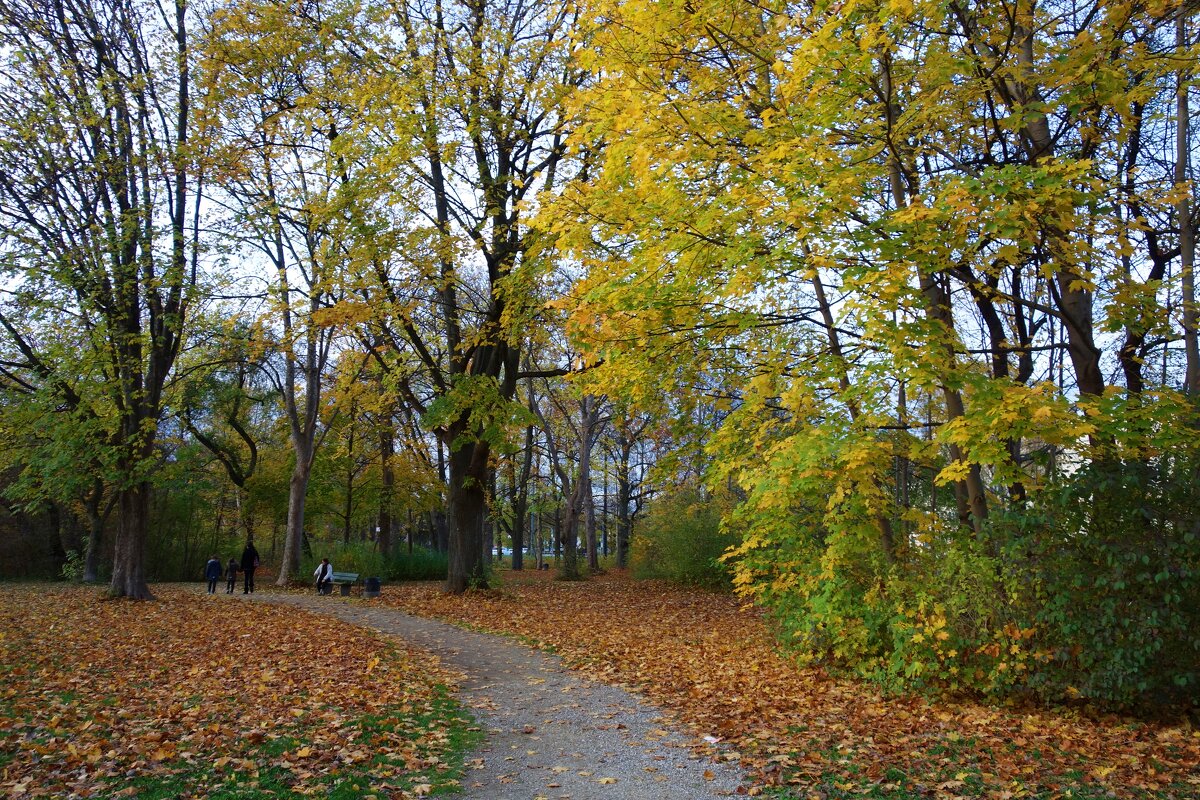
{"x":324,"y":575}
{"x":249,"y":564}
{"x":231,"y":571}
{"x":212,"y":571}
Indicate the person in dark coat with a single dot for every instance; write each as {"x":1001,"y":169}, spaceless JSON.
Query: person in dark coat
{"x":212,"y":571}
{"x":231,"y":571}
{"x":249,"y":564}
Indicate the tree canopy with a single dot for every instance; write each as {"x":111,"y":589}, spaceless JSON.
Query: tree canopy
{"x":891,"y":301}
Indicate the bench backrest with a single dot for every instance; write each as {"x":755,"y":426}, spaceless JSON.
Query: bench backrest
{"x":344,"y":577}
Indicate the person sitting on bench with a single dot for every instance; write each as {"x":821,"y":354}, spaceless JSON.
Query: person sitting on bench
{"x":324,"y":576}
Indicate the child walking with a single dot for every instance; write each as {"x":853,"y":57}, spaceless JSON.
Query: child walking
{"x":231,"y":571}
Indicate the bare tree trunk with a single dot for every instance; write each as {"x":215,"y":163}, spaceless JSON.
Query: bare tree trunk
{"x":902,"y":463}
{"x":1068,"y":289}
{"x":387,"y":448}
{"x":589,"y":414}
{"x":297,"y":497}
{"x":1187,"y":230}
{"x":97,"y":516}
{"x":624,"y":498}
{"x":520,"y":511}
{"x":467,"y":507}
{"x":129,"y":556}
{"x":348,"y":504}
{"x":604,"y":507}
{"x":489,"y":526}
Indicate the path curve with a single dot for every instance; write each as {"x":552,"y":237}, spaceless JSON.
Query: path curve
{"x":551,"y":733}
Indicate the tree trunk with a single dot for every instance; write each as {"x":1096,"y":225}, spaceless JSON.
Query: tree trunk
{"x":887,"y":537}
{"x":604,"y":507}
{"x":489,"y":527}
{"x":520,"y":493}
{"x":624,"y":498}
{"x":1187,"y":231}
{"x":348,"y":506}
{"x":129,"y":551}
{"x":297,"y":496}
{"x":520,"y":507}
{"x":589,"y":418}
{"x":386,"y":451}
{"x":1074,"y":302}
{"x":568,"y":542}
{"x":902,"y":182}
{"x":589,"y":510}
{"x":467,"y":508}
{"x":95,"y":531}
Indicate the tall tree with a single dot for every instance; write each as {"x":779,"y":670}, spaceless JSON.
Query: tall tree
{"x":1184,"y":211}
{"x":571,"y":425}
{"x":471,"y":134}
{"x":277,"y":80}
{"x":905,"y":232}
{"x":627,"y":431}
{"x":217,"y":408}
{"x":98,"y":196}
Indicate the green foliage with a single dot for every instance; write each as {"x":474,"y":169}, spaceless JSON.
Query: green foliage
{"x":419,"y":565}
{"x":1088,"y":593}
{"x":193,"y":517}
{"x":914,"y":299}
{"x":74,"y":565}
{"x":490,"y":416}
{"x":1117,"y":615}
{"x":367,"y":561}
{"x":680,"y":539}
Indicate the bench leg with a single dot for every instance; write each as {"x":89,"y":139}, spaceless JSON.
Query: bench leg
{"x":345,"y":589}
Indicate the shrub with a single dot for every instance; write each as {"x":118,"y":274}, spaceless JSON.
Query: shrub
{"x":1118,"y":612}
{"x":419,"y":565}
{"x":680,"y":539}
{"x":363,"y":558}
{"x":360,"y":557}
{"x":1088,"y":592}
{"x":74,"y":566}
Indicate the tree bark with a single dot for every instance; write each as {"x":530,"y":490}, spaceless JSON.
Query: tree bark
{"x":297,"y":498}
{"x":129,"y":556}
{"x":96,"y":519}
{"x":467,"y":507}
{"x":1187,"y":230}
{"x":387,"y":448}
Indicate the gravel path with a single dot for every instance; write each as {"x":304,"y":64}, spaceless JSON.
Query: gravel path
{"x":551,"y":734}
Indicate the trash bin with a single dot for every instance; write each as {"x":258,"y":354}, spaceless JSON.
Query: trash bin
{"x":371,"y":587}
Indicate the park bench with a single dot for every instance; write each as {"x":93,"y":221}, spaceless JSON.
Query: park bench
{"x":345,"y":580}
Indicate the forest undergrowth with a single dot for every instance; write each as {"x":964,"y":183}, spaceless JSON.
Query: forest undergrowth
{"x":715,"y":665}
